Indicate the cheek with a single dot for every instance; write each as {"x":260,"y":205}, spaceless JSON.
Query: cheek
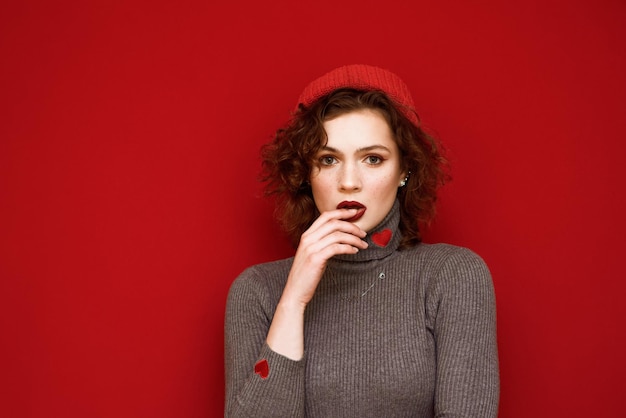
{"x":384,"y":185}
{"x":318,"y":184}
{"x":320,"y":187}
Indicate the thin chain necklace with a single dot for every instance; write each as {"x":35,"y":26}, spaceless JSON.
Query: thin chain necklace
{"x":378,"y":279}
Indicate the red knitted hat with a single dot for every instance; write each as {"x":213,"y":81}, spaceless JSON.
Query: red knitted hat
{"x":362,"y":77}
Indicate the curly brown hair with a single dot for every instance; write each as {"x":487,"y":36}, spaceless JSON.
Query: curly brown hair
{"x":290,"y":156}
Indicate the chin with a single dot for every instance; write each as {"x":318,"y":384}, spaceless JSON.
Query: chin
{"x":364,"y":225}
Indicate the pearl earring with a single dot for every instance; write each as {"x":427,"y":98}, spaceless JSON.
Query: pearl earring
{"x":403,"y":182}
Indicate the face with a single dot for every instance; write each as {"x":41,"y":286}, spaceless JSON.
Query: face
{"x":360,"y":166}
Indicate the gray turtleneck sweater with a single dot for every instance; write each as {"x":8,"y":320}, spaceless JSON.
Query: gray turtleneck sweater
{"x":389,"y":333}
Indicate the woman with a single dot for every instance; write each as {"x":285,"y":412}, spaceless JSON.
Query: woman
{"x":364,"y":320}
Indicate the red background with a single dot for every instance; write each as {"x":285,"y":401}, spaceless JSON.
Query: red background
{"x":129,"y":136}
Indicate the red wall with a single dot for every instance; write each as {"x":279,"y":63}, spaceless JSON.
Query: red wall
{"x":129,"y":134}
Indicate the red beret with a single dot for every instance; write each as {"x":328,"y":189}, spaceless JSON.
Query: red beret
{"x":362,"y":77}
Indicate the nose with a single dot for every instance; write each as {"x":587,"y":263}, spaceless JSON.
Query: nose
{"x":349,"y":178}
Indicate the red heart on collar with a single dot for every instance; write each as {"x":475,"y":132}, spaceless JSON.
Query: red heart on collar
{"x":262,"y":368}
{"x":382,"y":238}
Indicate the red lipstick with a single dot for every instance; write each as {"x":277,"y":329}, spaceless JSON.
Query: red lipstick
{"x":346,"y":204}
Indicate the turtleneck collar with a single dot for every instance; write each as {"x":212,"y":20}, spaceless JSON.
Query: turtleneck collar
{"x":383,"y":240}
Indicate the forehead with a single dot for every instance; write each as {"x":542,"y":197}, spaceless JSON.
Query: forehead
{"x":361,"y":127}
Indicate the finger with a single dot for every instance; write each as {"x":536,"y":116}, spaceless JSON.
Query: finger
{"x":337,"y":249}
{"x":339,"y":214}
{"x":335,"y":231}
{"x":331,"y":241}
{"x":333,"y":220}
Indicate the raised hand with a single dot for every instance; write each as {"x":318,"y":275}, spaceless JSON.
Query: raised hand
{"x":328,"y":236}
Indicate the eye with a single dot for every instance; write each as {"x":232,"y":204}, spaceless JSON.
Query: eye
{"x":373,"y":159}
{"x":327,"y":160}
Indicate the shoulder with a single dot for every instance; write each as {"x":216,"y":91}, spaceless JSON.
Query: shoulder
{"x":269,"y":271}
{"x":456,"y":274}
{"x":449,"y":269}
{"x":435,"y":258}
{"x":261,"y":279}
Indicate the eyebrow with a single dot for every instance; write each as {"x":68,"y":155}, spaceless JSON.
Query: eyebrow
{"x":364,"y":149}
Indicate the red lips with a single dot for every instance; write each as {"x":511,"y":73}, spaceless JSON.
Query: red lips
{"x":346,"y":204}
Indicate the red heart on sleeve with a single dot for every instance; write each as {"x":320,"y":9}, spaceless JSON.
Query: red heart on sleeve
{"x":262,"y":368}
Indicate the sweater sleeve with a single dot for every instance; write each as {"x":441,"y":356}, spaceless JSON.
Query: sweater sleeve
{"x":462,"y":303}
{"x":259,"y":381}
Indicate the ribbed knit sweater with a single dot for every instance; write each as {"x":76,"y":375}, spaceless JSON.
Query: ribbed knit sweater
{"x":389,"y":333}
